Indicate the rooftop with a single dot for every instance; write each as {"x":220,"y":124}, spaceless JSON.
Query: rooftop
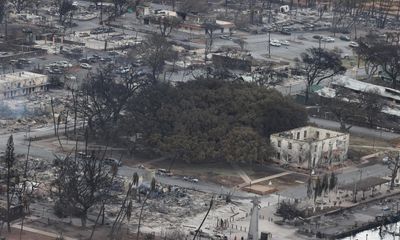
{"x":308,"y":133}
{"x":360,"y":86}
{"x":19,"y":76}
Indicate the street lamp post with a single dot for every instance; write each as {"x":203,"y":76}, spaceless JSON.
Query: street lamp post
{"x":278,"y":198}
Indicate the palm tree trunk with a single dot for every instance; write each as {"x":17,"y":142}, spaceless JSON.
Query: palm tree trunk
{"x":140,"y":215}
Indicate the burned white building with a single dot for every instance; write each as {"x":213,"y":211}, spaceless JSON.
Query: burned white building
{"x":310,"y":147}
{"x":22,"y":83}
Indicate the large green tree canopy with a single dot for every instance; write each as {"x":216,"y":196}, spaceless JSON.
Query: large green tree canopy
{"x":209,"y":120}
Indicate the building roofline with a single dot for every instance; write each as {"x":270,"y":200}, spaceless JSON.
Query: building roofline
{"x":308,"y":140}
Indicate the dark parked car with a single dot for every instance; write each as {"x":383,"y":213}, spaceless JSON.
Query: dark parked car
{"x":92,"y":59}
{"x":106,"y":59}
{"x":286,"y":32}
{"x":318,"y":37}
{"x":344,"y":38}
{"x":100,"y":30}
{"x":84,"y":60}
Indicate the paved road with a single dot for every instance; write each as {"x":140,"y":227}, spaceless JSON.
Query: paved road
{"x":346,"y":176}
{"x":299,"y":42}
{"x":47,"y":153}
{"x":374,"y":133}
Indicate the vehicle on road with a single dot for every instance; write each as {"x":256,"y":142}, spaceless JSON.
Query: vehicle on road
{"x":100,"y":30}
{"x":24,"y":61}
{"x":83,"y":155}
{"x":344,"y":38}
{"x":191,"y":179}
{"x":84,"y":34}
{"x":194,"y":180}
{"x":105,"y":59}
{"x":64,"y":64}
{"x":57,"y":71}
{"x":285,"y":32}
{"x":83,"y":60}
{"x":353,"y":44}
{"x":112,"y":162}
{"x":275,"y":43}
{"x":385,"y":208}
{"x":164,"y":172}
{"x":70,"y":77}
{"x":346,"y":56}
{"x":123,"y":70}
{"x":385,"y":160}
{"x":285,"y":43}
{"x":318,"y":37}
{"x":85,"y":66}
{"x":328,"y":39}
{"x":225,"y":37}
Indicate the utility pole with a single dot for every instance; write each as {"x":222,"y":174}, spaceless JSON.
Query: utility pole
{"x":101,"y":12}
{"x":6,"y":25}
{"x":252,"y":11}
{"x":269,"y":44}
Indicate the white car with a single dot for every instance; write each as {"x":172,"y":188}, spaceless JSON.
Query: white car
{"x":285,"y":43}
{"x":353,"y":44}
{"x":328,"y":39}
{"x":385,"y":160}
{"x":194,"y":180}
{"x":225,"y":37}
{"x":275,"y":43}
{"x":85,"y":66}
{"x":64,"y":64}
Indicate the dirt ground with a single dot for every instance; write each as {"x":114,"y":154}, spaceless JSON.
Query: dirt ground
{"x":15,"y":235}
{"x":101,"y":232}
{"x":260,"y":171}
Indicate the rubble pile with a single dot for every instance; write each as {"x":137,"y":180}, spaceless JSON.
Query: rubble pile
{"x":32,"y":111}
{"x":167,"y":209}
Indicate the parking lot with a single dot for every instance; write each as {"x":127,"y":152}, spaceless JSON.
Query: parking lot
{"x":257,"y":45}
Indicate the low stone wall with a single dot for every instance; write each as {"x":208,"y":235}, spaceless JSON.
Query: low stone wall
{"x":379,"y":220}
{"x":370,"y":225}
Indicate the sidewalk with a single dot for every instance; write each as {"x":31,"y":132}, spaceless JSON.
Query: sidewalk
{"x":264,"y":179}
{"x":44,"y":233}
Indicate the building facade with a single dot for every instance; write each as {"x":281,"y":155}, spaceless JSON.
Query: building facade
{"x":22,"y":83}
{"x":310,"y":147}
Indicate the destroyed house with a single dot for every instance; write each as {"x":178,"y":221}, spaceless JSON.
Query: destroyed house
{"x":310,"y":147}
{"x":22,"y":83}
